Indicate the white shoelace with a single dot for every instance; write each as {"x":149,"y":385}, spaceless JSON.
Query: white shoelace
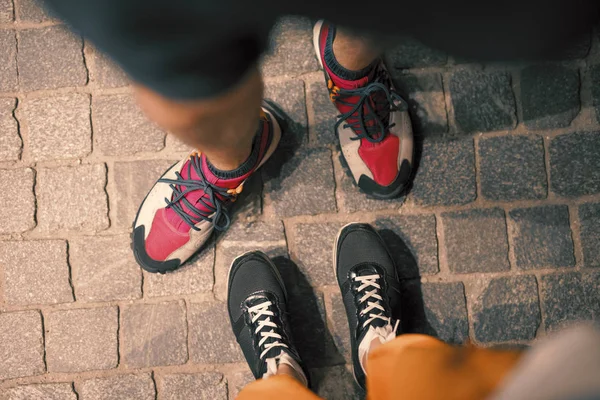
{"x":258,"y":311}
{"x":366,"y":282}
{"x":384,"y":333}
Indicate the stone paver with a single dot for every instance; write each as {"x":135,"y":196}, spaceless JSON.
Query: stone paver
{"x":57,"y":127}
{"x":81,"y":340}
{"x":507,"y":309}
{"x":446,"y":311}
{"x":425,"y":96}
{"x":418,"y":241}
{"x":21,"y":345}
{"x":133,"y":180}
{"x":483,"y":101}
{"x":104,"y":269}
{"x":304,"y":185}
{"x":46,"y":391}
{"x":542,"y":237}
{"x":313,"y":247}
{"x":291,"y":49}
{"x":211,"y":339}
{"x":35,"y":272}
{"x":486,"y":250}
{"x":589,"y":215}
{"x":106,"y":73}
{"x":139,"y":387}
{"x":72,"y":198}
{"x":208,"y":385}
{"x":575,"y":164}
{"x":512,"y":168}
{"x":570,"y":297}
{"x":17,"y":216}
{"x":31,"y":11}
{"x":10,"y":141}
{"x":446,"y":174}
{"x":6,"y":11}
{"x":119,"y":126}
{"x":410,"y":53}
{"x":8,"y":60}
{"x":50,"y":58}
{"x":290,"y":104}
{"x":497,"y":240}
{"x":539,"y":83}
{"x":153,"y":334}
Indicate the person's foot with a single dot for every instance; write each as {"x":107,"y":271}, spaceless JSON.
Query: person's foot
{"x":256,"y":301}
{"x":373,"y":127}
{"x":368,"y":280}
{"x":191,"y":200}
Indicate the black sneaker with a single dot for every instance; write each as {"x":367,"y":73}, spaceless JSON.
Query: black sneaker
{"x":369,"y":283}
{"x":256,"y":299}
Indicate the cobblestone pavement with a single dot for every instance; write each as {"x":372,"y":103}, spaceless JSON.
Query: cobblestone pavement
{"x":503,"y":220}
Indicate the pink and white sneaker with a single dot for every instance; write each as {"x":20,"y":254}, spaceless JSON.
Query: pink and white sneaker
{"x":191,"y":200}
{"x":374,"y":126}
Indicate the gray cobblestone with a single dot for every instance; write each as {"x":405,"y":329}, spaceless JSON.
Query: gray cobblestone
{"x":45,"y":391}
{"x":50,"y":58}
{"x":411,"y":53}
{"x":483,"y":101}
{"x":133,"y":181}
{"x":196,"y":276}
{"x":153,"y":335}
{"x":58,"y":127}
{"x":589,"y":217}
{"x":207,"y":385}
{"x":81,"y":340}
{"x":325,"y":114}
{"x":425,"y":96}
{"x":104,"y":269}
{"x":119,"y":126}
{"x":508,"y":309}
{"x":119,"y":387}
{"x":446,"y":174}
{"x":237,"y":381}
{"x":17,"y":216}
{"x":72,"y":198}
{"x":35,"y":272}
{"x":106,"y":73}
{"x":594,"y":75}
{"x":210,"y":338}
{"x":339,"y":328}
{"x":570,"y":297}
{"x":10,"y":141}
{"x":541,"y":108}
{"x":476,"y":240}
{"x":313,"y":248}
{"x":542,"y":237}
{"x":446,"y":311}
{"x":418,"y":233}
{"x":289,"y":98}
{"x":575,"y":164}
{"x":6,"y":11}
{"x":21,"y":345}
{"x":32,"y":11}
{"x":512,"y":168}
{"x":8,"y":61}
{"x":335,"y":383}
{"x":291,"y":50}
{"x":304,"y":185}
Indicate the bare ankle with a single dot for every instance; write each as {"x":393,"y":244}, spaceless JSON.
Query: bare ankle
{"x":354,"y":52}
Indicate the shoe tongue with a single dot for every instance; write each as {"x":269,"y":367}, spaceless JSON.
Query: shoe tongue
{"x":194,"y":196}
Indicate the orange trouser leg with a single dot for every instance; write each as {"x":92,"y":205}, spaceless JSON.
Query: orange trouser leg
{"x":422,"y":367}
{"x":276,"y":388}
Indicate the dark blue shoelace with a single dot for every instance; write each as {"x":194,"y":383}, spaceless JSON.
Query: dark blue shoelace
{"x":379,"y":100}
{"x":212,"y":203}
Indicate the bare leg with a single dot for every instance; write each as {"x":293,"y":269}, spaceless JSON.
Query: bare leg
{"x":222,"y":128}
{"x":354,"y":52}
